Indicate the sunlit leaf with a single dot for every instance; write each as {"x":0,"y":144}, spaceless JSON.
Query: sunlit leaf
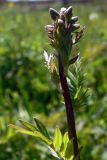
{"x":35,"y":134}
{"x":26,"y":132}
{"x":21,"y":130}
{"x":43,"y":138}
{"x":64,"y":144}
{"x":77,"y":93}
{"x":16,"y":127}
{"x":28,"y":125}
{"x":57,"y":141}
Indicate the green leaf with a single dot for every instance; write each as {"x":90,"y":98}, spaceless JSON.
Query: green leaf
{"x":35,"y":134}
{"x":77,"y":93}
{"x":57,"y":141}
{"x":28,"y":126}
{"x":73,"y":60}
{"x":21,"y":130}
{"x":72,"y":79}
{"x":42,"y":128}
{"x":26,"y":132}
{"x":64,"y":144}
{"x":16,"y":127}
{"x":43,"y":138}
{"x":69,"y":151}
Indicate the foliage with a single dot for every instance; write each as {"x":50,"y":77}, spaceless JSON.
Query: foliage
{"x":60,"y":146}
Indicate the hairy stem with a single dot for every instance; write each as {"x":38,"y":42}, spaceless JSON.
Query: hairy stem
{"x":69,"y":108}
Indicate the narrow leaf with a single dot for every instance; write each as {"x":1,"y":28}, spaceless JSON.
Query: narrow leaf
{"x":35,"y":134}
{"x":43,"y":138}
{"x":53,"y":152}
{"x":57,"y":139}
{"x":73,"y":60}
{"x":64,"y":144}
{"x":28,"y":126}
{"x":41,"y":128}
{"x":77,"y":93}
{"x":21,"y":130}
{"x":16,"y":127}
{"x":26,"y":132}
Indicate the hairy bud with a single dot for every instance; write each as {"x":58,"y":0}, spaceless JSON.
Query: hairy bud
{"x":75,"y":27}
{"x":62,"y":10}
{"x":68,"y":13}
{"x":74,"y":19}
{"x":60,"y":22}
{"x":63,"y":33}
{"x":54,"y":14}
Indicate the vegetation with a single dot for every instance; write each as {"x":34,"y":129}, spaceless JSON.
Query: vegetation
{"x":24,"y":81}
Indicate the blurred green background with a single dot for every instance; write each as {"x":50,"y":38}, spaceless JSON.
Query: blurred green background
{"x":26,"y":90}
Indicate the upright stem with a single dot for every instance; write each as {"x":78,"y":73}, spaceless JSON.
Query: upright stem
{"x":69,"y":108}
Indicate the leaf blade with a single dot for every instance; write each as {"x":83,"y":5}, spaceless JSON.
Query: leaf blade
{"x":64,"y":144}
{"x":57,"y":141}
{"x":27,"y":125}
{"x":41,"y":127}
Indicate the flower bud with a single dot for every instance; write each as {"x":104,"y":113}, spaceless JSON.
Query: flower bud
{"x":62,"y":16}
{"x":68,"y":13}
{"x":75,"y":27}
{"x":61,"y":27}
{"x":74,"y":19}
{"x":64,"y":30}
{"x":54,"y":14}
{"x":62,"y":10}
{"x":49,"y":28}
{"x":60,"y":22}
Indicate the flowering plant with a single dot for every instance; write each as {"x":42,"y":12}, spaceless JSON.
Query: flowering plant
{"x":63,"y":34}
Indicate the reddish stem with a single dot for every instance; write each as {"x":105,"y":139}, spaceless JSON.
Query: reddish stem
{"x":69,"y":108}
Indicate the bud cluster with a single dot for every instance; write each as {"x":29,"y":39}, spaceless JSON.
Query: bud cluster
{"x":63,"y":33}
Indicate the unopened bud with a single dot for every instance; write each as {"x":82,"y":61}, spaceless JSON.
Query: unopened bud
{"x":54,"y":14}
{"x":68,"y":12}
{"x":62,"y":13}
{"x":60,"y":22}
{"x":62,"y":10}
{"x":74,"y":19}
{"x":49,"y":28}
{"x":75,"y":26}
